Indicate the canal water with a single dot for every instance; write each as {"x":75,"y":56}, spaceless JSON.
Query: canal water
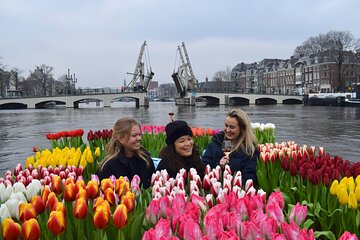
{"x":337,"y":129}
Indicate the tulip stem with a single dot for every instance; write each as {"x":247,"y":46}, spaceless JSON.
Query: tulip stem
{"x":119,"y":234}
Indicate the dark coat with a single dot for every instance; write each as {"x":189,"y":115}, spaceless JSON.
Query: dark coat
{"x":123,"y":166}
{"x":239,"y":160}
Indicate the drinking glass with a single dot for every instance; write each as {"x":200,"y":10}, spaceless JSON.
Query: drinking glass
{"x":226,"y":147}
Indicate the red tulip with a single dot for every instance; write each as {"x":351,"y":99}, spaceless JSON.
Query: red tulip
{"x":80,"y":208}
{"x":106,"y":183}
{"x":59,"y":206}
{"x":56,"y":184}
{"x":51,"y":200}
{"x":56,"y":223}
{"x":10,"y":229}
{"x":120,"y":216}
{"x":70,"y":192}
{"x":109,"y":195}
{"x":129,"y":200}
{"x":92,"y":189}
{"x":38,"y":204}
{"x":26,"y":211}
{"x":31,"y":230}
{"x":101,"y":216}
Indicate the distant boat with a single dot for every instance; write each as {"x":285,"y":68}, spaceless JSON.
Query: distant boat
{"x":346,"y":99}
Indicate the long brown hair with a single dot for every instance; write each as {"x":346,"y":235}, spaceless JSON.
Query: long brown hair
{"x":122,"y":128}
{"x":246,"y":140}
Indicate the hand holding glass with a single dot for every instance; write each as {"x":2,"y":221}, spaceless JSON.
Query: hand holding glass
{"x":226,"y":147}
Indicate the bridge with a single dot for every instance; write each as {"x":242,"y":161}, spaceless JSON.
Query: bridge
{"x":141,"y":99}
{"x":72,"y":101}
{"x":217,"y":98}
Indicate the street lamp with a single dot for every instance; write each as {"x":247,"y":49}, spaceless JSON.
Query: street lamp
{"x":70,"y":81}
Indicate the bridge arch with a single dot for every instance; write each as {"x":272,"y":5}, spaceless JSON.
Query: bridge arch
{"x":13,"y":105}
{"x":290,"y":101}
{"x":49,"y":104}
{"x":265,"y":101}
{"x":239,"y":101}
{"x":209,"y":100}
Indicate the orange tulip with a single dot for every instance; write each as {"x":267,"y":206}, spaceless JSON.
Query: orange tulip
{"x":51,"y":200}
{"x":106,"y":183}
{"x":30,"y":230}
{"x":56,"y":223}
{"x":45,"y":193}
{"x":92,"y":189}
{"x":59,"y":206}
{"x":81,"y":194}
{"x":120,"y":216}
{"x":80,"y":208}
{"x":209,"y":132}
{"x":97,"y":202}
{"x":109,"y":196}
{"x":122,"y":186}
{"x":80,"y":184}
{"x":128,"y":200}
{"x":56,"y":184}
{"x":38,"y":204}
{"x":26,"y":211}
{"x":195,"y":131}
{"x":70,"y":192}
{"x":10,"y":229}
{"x":101,"y":216}
{"x":68,"y":181}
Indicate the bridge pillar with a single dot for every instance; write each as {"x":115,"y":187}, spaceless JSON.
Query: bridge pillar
{"x":224,"y":100}
{"x":143,"y":102}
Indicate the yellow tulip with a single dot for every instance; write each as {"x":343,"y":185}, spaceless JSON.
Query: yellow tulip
{"x":357,"y":180}
{"x":351,"y":184}
{"x":334,"y":186}
{"x":30,"y":160}
{"x":352,"y":201}
{"x":357,"y":192}
{"x":97,"y":152}
{"x":89,"y":157}
{"x":343,"y":196}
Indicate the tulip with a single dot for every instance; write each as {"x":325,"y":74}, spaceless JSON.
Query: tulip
{"x":26,"y":211}
{"x":56,"y":223}
{"x":298,"y":214}
{"x":120,"y":216}
{"x":38,"y":204}
{"x":129,"y":200}
{"x":13,"y":206}
{"x":56,"y":184}
{"x":59,"y":206}
{"x":70,"y":192}
{"x":101,"y":216}
{"x":80,"y":208}
{"x":106,"y":183}
{"x":92,"y":189}
{"x":51,"y":200}
{"x":4,"y":212}
{"x":31,"y":230}
{"x":10,"y":229}
{"x":5,"y":192}
{"x":109,"y":195}
{"x":348,"y":236}
{"x":352,"y":203}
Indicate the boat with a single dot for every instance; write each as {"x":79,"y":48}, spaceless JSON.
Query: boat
{"x":346,"y":99}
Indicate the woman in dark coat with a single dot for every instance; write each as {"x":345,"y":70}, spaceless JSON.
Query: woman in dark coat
{"x":125,"y":156}
{"x":180,"y":151}
{"x":243,"y":154}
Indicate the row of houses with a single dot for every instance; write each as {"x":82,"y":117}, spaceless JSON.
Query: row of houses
{"x":298,"y":75}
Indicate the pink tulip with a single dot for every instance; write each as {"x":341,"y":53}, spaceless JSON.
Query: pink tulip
{"x":206,"y":183}
{"x":348,"y":236}
{"x":291,"y":231}
{"x":227,"y":235}
{"x":273,"y":210}
{"x":149,"y":235}
{"x":268,"y":228}
{"x":298,"y":214}
{"x":232,"y":221}
{"x":152,"y":213}
{"x":278,"y":198}
{"x":242,"y":208}
{"x":249,"y":231}
{"x":165,"y":207}
{"x":200,"y":201}
{"x":190,"y":229}
{"x":278,"y":236}
{"x":162,"y":228}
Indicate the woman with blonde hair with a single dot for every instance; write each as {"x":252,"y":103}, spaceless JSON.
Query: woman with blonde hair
{"x":241,"y":154}
{"x":124,"y":154}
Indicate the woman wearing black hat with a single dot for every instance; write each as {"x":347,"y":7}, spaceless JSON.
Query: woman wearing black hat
{"x":125,"y":156}
{"x":180,"y":151}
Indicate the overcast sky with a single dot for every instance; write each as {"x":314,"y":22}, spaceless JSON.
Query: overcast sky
{"x":100,"y":40}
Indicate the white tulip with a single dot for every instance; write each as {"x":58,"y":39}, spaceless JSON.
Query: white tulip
{"x":13,"y":207}
{"x":34,"y":188}
{"x":4,"y":212}
{"x":5,"y":192}
{"x":18,"y":196}
{"x":19,"y":187}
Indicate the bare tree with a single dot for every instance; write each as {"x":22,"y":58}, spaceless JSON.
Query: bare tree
{"x":44,"y":76}
{"x":15,"y":78}
{"x":222,"y":76}
{"x":337,"y":43}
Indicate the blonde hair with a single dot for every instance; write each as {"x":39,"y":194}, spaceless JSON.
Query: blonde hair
{"x":246,"y":140}
{"x":122,"y":128}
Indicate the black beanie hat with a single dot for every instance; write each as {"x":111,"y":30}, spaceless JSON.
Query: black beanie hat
{"x":175,"y":130}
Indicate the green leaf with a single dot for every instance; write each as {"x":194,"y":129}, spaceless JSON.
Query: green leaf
{"x":357,"y":221}
{"x":135,"y":232}
{"x":328,"y":234}
{"x":308,"y":223}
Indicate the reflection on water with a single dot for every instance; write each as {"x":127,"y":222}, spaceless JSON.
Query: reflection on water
{"x":335,"y":128}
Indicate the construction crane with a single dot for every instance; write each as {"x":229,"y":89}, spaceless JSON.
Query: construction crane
{"x":141,"y":80}
{"x":184,"y":78}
